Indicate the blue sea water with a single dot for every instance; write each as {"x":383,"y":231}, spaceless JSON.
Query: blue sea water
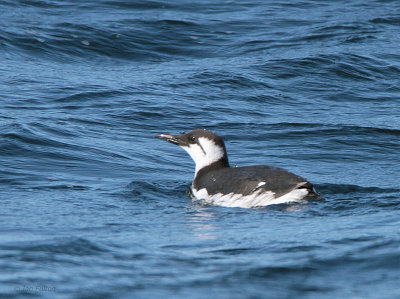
{"x":92,"y":206}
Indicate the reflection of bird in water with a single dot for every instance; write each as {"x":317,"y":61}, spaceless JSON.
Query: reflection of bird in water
{"x":199,"y":223}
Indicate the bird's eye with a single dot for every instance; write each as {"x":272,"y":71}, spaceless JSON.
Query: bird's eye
{"x":192,"y":138}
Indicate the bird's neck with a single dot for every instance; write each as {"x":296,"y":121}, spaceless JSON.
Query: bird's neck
{"x":221,"y":163}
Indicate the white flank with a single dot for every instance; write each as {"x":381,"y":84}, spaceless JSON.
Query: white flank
{"x":260,"y":184}
{"x":257,"y":199}
{"x":204,"y":154}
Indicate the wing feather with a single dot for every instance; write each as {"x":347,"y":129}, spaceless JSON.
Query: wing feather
{"x":247,"y":180}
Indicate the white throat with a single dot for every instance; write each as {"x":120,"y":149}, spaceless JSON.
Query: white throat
{"x":205,"y":153}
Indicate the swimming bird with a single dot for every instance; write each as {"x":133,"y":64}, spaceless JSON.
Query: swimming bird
{"x":216,"y":183}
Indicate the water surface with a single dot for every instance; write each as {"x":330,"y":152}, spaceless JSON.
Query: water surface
{"x":91,"y":205}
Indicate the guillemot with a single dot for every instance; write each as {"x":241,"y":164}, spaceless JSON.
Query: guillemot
{"x":217,"y":183}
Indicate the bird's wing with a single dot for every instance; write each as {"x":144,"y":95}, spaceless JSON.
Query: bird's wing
{"x":248,"y":180}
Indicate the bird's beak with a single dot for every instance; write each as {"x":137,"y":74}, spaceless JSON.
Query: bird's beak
{"x":171,"y":139}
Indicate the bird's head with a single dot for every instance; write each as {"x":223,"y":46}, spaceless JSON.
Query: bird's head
{"x":203,"y":146}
